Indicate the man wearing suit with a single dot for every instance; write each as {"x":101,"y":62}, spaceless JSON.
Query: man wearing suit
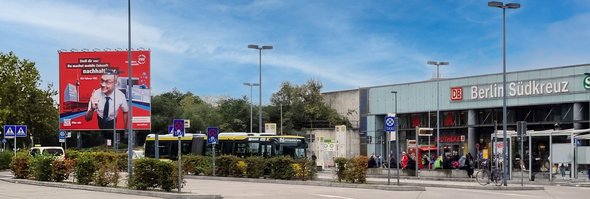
{"x":106,"y":101}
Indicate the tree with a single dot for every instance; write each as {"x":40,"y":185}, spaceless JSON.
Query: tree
{"x":23,"y":102}
{"x":302,"y":106}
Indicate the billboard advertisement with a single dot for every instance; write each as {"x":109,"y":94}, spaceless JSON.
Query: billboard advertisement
{"x":93,"y":90}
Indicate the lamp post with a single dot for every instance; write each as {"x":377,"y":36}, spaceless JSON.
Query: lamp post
{"x":250,"y":85}
{"x":437,"y":64}
{"x":259,"y":48}
{"x":396,"y":143}
{"x":129,"y":99}
{"x":498,"y":4}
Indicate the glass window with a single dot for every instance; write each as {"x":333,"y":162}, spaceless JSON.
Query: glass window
{"x":253,"y":148}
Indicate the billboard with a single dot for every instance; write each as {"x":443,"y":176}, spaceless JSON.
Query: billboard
{"x":93,"y":90}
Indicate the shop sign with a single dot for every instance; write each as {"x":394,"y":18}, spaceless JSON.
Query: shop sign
{"x":451,"y":138}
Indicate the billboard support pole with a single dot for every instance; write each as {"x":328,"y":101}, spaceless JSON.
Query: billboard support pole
{"x":129,"y":99}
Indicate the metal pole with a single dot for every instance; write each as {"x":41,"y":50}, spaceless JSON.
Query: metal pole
{"x":550,"y":156}
{"x":14,"y":143}
{"x":504,"y":109}
{"x":522,"y":157}
{"x":437,"y":110}
{"x":115,"y":110}
{"x":416,"y":151}
{"x":251,"y":108}
{"x":388,"y":133}
{"x":213,"y":149}
{"x":179,"y":165}
{"x":260,"y":90}
{"x":282,"y":119}
{"x":396,"y":139}
{"x":530,"y":157}
{"x":157,"y":147}
{"x":129,"y":100}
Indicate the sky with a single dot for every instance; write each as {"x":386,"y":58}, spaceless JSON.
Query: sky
{"x":200,"y":46}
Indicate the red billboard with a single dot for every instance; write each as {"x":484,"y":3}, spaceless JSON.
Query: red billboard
{"x":93,"y":90}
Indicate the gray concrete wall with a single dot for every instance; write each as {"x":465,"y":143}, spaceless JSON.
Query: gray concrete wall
{"x":346,"y":103}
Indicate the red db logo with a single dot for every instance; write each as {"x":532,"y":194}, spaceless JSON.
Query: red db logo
{"x":457,"y":93}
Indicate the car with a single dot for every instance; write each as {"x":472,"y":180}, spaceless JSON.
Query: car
{"x":56,"y":151}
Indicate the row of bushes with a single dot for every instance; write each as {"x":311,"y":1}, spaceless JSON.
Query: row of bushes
{"x":352,"y":170}
{"x":281,"y":167}
{"x":98,"y":168}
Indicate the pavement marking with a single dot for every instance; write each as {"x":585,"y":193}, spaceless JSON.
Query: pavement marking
{"x":331,"y":196}
{"x":501,"y":193}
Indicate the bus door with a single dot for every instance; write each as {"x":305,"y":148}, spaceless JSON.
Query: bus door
{"x":268,"y":148}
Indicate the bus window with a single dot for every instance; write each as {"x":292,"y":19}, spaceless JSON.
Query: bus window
{"x":227,"y":148}
{"x":254,"y":148}
{"x":267,"y":150}
{"x":299,"y":153}
{"x":241,"y":149}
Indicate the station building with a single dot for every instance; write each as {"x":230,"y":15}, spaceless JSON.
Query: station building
{"x":470,"y":110}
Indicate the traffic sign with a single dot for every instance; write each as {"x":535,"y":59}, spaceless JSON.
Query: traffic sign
{"x":9,"y":130}
{"x":170,"y":129}
{"x":4,"y":141}
{"x":62,"y":136}
{"x":19,"y":130}
{"x":212,"y":135}
{"x":389,"y":123}
{"x":178,"y":125}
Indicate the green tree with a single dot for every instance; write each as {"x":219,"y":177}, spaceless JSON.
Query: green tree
{"x":302,"y":105}
{"x":235,"y":115}
{"x":23,"y":102}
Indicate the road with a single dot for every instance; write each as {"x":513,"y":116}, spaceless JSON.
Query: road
{"x":262,"y":190}
{"x":248,"y":190}
{"x":17,"y":191}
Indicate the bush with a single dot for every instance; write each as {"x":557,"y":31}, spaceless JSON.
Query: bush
{"x":356,"y":169}
{"x":72,"y":154}
{"x":5,"y":158}
{"x":280,"y":167}
{"x":304,"y":169}
{"x":340,"y":168}
{"x":85,"y":168}
{"x":107,"y":173}
{"x":196,"y":164}
{"x":20,"y":165}
{"x":227,"y":165}
{"x":153,"y":173}
{"x":255,"y":166}
{"x":61,"y":169}
{"x":121,"y":159}
{"x":40,"y":167}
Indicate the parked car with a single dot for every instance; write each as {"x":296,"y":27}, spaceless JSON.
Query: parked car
{"x":56,"y":151}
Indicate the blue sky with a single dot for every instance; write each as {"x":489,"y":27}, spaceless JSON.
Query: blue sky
{"x":201,"y":46}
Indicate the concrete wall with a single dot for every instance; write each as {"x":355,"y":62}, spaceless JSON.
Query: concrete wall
{"x":347,"y":146}
{"x":346,"y":103}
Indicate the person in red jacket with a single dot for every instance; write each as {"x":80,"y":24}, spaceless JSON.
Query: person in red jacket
{"x":404,"y":160}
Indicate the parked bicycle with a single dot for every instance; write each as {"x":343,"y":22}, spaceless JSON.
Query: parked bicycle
{"x":486,"y":175}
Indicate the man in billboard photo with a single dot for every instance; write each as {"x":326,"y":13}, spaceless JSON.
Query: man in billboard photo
{"x":106,"y":101}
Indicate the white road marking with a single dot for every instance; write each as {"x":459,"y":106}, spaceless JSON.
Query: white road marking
{"x":331,"y":196}
{"x":501,"y":193}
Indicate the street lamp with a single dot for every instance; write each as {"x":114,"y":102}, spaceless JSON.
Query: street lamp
{"x":437,"y":64}
{"x":259,"y":48}
{"x":250,"y":85}
{"x":396,"y":142}
{"x":504,"y":109}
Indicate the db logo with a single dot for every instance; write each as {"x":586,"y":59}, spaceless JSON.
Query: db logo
{"x":457,"y":93}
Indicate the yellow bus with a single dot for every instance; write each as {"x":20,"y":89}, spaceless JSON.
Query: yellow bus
{"x":238,"y":144}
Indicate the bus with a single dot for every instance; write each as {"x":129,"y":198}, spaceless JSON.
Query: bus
{"x":238,"y":144}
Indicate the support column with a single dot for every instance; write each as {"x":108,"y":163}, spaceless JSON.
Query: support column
{"x":371,"y":147}
{"x":471,"y":137}
{"x":578,"y":115}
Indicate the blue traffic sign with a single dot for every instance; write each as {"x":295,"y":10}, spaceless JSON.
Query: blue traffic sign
{"x":212,"y":135}
{"x":389,"y":123}
{"x":178,"y":125}
{"x":19,"y":130}
{"x":62,"y":135}
{"x":4,"y":141}
{"x":170,"y":129}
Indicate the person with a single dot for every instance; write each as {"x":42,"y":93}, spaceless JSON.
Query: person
{"x":426,"y":161}
{"x":562,"y":170}
{"x":313,"y":158}
{"x":372,"y":162}
{"x":404,"y":160}
{"x":469,"y":164}
{"x":106,"y":102}
{"x":379,"y":161}
{"x":392,"y":162}
{"x":438,"y":162}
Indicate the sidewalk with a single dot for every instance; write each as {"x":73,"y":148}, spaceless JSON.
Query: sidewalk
{"x":467,"y":183}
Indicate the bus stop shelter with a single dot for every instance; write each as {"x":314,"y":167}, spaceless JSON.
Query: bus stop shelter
{"x":564,"y":152}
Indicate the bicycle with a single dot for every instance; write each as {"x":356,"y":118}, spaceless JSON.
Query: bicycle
{"x":485,"y":175}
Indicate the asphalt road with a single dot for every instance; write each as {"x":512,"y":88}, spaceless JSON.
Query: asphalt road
{"x":262,"y":190}
{"x":16,"y":191}
{"x":247,"y":190}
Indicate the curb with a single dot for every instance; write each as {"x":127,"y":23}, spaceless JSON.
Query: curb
{"x":315,"y":183}
{"x":156,"y":194}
